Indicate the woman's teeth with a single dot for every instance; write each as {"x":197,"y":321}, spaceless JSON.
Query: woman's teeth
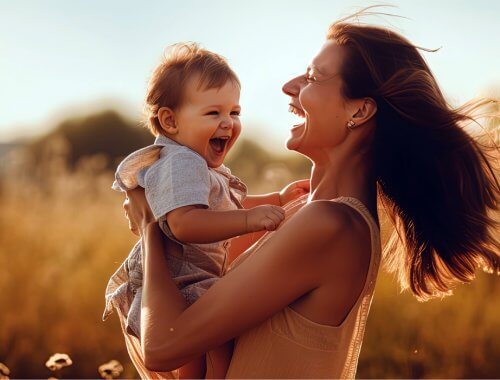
{"x":296,"y":111}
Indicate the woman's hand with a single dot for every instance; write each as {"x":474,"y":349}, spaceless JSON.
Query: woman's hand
{"x":137,"y":210}
{"x":294,"y":190}
{"x":131,"y":225}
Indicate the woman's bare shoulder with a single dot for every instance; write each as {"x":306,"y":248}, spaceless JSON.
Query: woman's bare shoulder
{"x":335,"y":228}
{"x":310,"y":242}
{"x":325,"y":219}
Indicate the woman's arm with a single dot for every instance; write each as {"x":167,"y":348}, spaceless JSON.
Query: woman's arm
{"x":173,"y":335}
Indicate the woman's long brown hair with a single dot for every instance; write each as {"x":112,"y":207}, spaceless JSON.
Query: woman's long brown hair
{"x":435,"y":180}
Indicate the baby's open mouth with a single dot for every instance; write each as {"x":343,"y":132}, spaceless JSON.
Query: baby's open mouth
{"x":219,"y":143}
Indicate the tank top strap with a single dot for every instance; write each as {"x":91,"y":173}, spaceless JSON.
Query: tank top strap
{"x":376,"y":250}
{"x":359,"y":206}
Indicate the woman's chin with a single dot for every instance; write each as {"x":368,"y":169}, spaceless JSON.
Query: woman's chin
{"x":296,"y":134}
{"x":292,"y":144}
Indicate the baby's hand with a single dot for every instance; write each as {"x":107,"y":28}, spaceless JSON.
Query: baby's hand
{"x":294,"y":190}
{"x":265,"y":217}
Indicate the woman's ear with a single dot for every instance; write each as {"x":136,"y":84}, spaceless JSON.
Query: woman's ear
{"x":366,"y":110}
{"x":166,"y":118}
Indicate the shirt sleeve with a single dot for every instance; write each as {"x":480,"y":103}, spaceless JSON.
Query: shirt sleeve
{"x":178,"y":180}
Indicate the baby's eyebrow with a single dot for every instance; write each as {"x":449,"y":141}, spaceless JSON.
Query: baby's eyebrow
{"x":221,"y":106}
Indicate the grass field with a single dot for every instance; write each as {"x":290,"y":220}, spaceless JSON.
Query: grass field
{"x":63,"y":234}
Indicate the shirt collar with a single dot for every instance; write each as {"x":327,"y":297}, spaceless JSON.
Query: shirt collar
{"x":164,"y":141}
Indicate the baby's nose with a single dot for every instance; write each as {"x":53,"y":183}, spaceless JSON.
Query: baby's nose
{"x":226,"y":123}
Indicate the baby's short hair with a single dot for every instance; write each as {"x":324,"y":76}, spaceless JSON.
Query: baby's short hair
{"x":181,"y":61}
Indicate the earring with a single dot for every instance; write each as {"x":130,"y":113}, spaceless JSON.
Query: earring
{"x":350,"y":125}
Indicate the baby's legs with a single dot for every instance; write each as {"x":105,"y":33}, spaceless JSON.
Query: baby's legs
{"x":218,"y":361}
{"x":195,"y":369}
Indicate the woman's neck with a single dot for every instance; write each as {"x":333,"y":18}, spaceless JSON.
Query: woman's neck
{"x":338,"y":175}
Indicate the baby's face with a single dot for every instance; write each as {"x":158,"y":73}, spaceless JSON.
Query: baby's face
{"x":208,"y":121}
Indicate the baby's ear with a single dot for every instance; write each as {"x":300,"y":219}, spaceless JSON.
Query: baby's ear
{"x":166,"y":117}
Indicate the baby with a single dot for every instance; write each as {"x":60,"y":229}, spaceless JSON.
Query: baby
{"x":193,"y":106}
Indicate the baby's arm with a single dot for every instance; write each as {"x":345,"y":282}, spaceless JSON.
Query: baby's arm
{"x":279,"y":198}
{"x":262,"y":199}
{"x":192,"y":224}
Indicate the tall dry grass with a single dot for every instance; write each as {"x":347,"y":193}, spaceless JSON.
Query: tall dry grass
{"x":63,"y":233}
{"x":61,"y":236}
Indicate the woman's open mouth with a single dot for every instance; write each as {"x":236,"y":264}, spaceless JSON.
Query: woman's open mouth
{"x":219,"y":144}
{"x":298,"y":112}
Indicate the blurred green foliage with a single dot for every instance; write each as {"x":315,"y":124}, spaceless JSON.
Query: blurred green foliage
{"x":107,"y":133}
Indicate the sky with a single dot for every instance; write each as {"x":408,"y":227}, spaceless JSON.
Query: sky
{"x":68,"y":58}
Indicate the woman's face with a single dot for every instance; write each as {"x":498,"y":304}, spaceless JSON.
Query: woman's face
{"x":316,"y":98}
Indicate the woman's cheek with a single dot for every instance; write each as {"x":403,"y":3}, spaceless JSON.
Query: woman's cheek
{"x":306,"y":102}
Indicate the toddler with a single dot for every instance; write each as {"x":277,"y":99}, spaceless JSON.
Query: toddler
{"x":193,"y":107}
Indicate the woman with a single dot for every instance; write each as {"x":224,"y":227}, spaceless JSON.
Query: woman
{"x":376,"y":123}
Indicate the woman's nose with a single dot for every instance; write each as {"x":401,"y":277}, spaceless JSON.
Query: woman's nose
{"x":292,"y":87}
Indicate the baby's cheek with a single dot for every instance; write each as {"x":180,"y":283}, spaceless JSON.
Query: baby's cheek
{"x":236,"y":129}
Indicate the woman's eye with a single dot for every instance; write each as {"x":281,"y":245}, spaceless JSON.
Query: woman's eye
{"x":310,"y":78}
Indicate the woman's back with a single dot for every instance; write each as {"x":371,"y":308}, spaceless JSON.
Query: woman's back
{"x":290,"y":345}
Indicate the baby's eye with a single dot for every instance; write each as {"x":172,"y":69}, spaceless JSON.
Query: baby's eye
{"x":237,"y":113}
{"x":212,"y":113}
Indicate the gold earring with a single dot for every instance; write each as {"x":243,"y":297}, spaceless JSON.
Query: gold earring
{"x":351,"y":124}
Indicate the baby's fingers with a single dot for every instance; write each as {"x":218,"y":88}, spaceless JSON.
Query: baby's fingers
{"x":279,"y":211}
{"x":270,"y":224}
{"x":272,"y":221}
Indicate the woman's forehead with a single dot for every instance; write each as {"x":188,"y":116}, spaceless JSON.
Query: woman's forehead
{"x":329,"y":59}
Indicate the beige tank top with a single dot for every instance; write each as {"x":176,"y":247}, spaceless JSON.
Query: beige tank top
{"x":288,"y":345}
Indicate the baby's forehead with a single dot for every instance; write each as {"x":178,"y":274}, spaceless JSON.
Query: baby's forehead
{"x":200,"y":91}
{"x":202,"y":83}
